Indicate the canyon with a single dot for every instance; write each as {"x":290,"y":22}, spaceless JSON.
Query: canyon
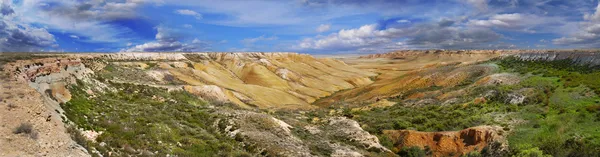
{"x":273,"y":104}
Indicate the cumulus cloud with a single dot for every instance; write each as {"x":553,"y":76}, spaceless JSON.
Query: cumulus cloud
{"x":323,"y":28}
{"x":189,"y":13}
{"x":346,"y":39}
{"x":168,"y":41}
{"x":589,"y":33}
{"x":369,"y":37}
{"x":89,"y":19}
{"x":23,"y":38}
{"x":594,"y":16}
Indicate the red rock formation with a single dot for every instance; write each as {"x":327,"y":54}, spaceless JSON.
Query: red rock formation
{"x":30,"y":69}
{"x":450,"y":143}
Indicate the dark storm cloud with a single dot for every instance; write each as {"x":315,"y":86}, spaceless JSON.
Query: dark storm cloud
{"x":23,"y":39}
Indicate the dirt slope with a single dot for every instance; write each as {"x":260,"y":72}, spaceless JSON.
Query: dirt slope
{"x":23,"y":105}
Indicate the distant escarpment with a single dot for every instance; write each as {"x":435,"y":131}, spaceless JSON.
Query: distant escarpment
{"x":582,"y":57}
{"x":587,"y":57}
{"x":401,"y":54}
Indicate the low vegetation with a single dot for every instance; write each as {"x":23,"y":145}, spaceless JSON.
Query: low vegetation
{"x":137,"y":119}
{"x":558,"y":117}
{"x":565,"y":122}
{"x":26,"y":128}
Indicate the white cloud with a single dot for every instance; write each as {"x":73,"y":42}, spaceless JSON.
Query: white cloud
{"x":22,"y":37}
{"x":257,"y":39}
{"x":323,"y":28}
{"x":351,"y":38}
{"x":18,"y":36}
{"x":588,"y":34}
{"x":189,"y":13}
{"x":594,"y":16}
{"x":368,"y":37}
{"x":74,"y":36}
{"x":403,"y":21}
{"x":168,"y":41}
{"x":85,"y":18}
{"x":520,"y":22}
{"x":187,"y":26}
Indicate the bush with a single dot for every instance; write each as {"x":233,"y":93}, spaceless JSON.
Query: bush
{"x":179,"y":123}
{"x":533,"y":152}
{"x":473,"y":154}
{"x":26,"y":128}
{"x":412,"y":152}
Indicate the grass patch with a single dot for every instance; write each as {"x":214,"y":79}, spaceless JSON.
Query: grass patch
{"x":137,"y":118}
{"x":563,"y":123}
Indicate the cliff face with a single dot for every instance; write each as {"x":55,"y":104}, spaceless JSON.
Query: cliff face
{"x":451,"y":143}
{"x":34,"y":88}
{"x":591,"y":58}
{"x":587,"y":57}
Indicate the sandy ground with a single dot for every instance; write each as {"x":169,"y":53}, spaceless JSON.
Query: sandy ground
{"x":20,"y":104}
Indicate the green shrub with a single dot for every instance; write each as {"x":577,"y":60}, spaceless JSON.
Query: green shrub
{"x":533,"y":152}
{"x":178,"y":123}
{"x":412,"y":152}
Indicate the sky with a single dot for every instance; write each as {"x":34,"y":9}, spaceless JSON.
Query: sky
{"x":305,"y":26}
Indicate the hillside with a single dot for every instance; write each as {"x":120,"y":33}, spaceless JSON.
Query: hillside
{"x":406,"y":103}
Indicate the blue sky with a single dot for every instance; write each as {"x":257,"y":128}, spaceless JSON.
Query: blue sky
{"x":306,"y":26}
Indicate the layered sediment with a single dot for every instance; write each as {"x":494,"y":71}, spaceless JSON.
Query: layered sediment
{"x":448,"y":143}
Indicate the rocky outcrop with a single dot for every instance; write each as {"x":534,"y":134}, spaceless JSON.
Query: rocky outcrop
{"x":35,"y":88}
{"x":499,"y":79}
{"x":582,"y":57}
{"x":264,"y":133}
{"x":351,"y":131}
{"x":450,"y":143}
{"x":50,"y":77}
